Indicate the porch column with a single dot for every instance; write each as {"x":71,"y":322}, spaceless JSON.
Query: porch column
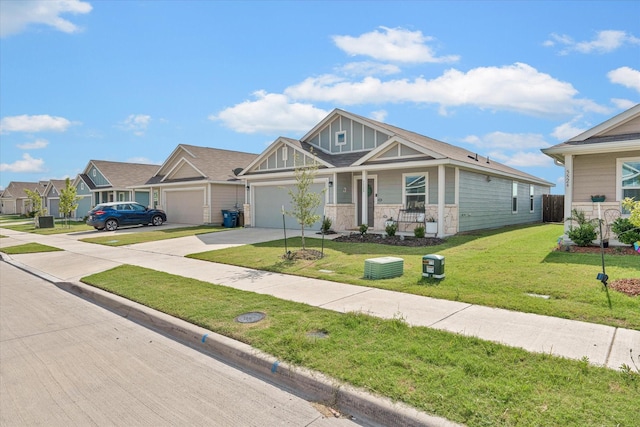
{"x":441,"y":190}
{"x":568,"y":188}
{"x":365,"y":196}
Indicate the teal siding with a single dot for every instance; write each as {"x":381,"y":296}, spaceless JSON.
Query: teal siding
{"x":98,"y":179}
{"x":84,"y":206}
{"x":487,"y":204}
{"x":143,"y":198}
{"x":344,"y":188}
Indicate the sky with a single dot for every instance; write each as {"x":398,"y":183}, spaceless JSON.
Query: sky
{"x":130,"y":80}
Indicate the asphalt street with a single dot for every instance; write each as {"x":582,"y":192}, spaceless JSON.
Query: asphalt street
{"x":65,"y":362}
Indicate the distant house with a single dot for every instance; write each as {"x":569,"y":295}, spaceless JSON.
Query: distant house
{"x":372,"y":172}
{"x":195,"y":184}
{"x":83,"y":186}
{"x":116,"y":182}
{"x":51,"y":197}
{"x":603,"y":161}
{"x":14,"y":198}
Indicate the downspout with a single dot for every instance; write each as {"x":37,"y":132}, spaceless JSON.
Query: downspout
{"x":441,"y":190}
{"x":568,"y":189}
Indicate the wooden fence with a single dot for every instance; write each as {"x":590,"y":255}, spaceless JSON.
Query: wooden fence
{"x":552,"y":208}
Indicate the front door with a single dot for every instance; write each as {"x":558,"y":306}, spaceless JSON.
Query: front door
{"x":370,"y":202}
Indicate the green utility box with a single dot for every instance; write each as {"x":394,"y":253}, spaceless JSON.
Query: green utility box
{"x":45,"y":221}
{"x":433,"y":266}
{"x":383,"y":267}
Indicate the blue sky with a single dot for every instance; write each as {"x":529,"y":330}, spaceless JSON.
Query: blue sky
{"x":130,"y":80}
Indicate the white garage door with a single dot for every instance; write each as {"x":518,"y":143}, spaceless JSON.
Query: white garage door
{"x":185,"y":207}
{"x":269,"y":200}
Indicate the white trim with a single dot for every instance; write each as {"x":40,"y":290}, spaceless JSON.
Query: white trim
{"x":532,"y":194}
{"x":619,"y":162}
{"x":354,"y":194}
{"x":613,"y":122}
{"x":426,"y":187}
{"x":337,"y":135}
{"x":177,"y":165}
{"x":515,"y":184}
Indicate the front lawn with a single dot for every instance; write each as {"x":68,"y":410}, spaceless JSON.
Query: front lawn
{"x":60,"y":227}
{"x":463,"y":379}
{"x":509,"y":268}
{"x":28,"y":248}
{"x":152,"y":236}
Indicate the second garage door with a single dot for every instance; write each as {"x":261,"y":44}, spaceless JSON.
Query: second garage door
{"x":185,"y":207}
{"x":268,"y":206}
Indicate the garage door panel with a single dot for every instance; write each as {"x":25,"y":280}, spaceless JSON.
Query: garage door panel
{"x":185,"y":207}
{"x":269,"y":201}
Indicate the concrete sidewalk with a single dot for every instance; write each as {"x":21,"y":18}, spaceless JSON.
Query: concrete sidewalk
{"x":602,"y":345}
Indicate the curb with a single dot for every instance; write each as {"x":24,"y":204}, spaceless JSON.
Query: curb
{"x":360,"y":405}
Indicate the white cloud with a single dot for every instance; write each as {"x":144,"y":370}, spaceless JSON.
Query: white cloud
{"x":141,"y":160}
{"x":392,"y":44}
{"x":567,"y":130}
{"x":136,"y":123}
{"x":37,"y":123}
{"x":27,"y":164}
{"x":379,"y":115}
{"x":367,"y":68}
{"x":522,"y":159}
{"x":623,"y":104}
{"x":17,"y":15}
{"x":508,"y":140}
{"x":518,"y":87}
{"x":35,"y":145}
{"x":625,"y":76}
{"x":270,"y":113}
{"x":604,"y":42}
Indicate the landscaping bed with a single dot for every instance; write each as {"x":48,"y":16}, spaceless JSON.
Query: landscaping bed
{"x":390,"y":240}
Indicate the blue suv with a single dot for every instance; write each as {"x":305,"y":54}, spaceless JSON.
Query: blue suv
{"x":110,"y":216}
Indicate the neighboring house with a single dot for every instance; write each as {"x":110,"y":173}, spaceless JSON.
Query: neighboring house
{"x":51,"y":197}
{"x":408,"y":177}
{"x":605,"y":161}
{"x":116,"y":182}
{"x":195,"y":184}
{"x":83,"y":186}
{"x":15,"y":200}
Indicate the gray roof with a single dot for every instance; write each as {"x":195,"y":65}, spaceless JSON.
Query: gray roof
{"x":15,"y":189}
{"x":123,"y":175}
{"x":215,"y":163}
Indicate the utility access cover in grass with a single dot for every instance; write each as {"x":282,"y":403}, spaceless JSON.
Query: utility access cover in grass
{"x":251,"y":317}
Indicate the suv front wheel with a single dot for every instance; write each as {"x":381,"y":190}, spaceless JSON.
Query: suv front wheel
{"x":111,"y":225}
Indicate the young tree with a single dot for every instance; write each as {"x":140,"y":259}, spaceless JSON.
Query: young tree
{"x":304,"y":201}
{"x":68,"y":200}
{"x":35,"y":205}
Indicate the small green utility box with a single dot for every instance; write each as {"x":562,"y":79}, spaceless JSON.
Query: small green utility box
{"x":383,"y":267}
{"x":433,"y":266}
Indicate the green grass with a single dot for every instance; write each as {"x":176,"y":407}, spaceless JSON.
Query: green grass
{"x":28,"y":248}
{"x":12,"y":218}
{"x":494,"y":268}
{"x":151,"y":236}
{"x":464,"y":379}
{"x":59,"y":227}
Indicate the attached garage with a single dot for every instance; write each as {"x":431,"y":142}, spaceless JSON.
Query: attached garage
{"x":269,"y":200}
{"x":185,"y":206}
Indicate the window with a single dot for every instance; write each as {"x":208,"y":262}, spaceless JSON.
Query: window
{"x":82,"y":186}
{"x":514,"y":197}
{"x":341,"y":137}
{"x":94,"y":173}
{"x":531,"y":193}
{"x":415,"y":191}
{"x":285,"y":154}
{"x":630,"y":179}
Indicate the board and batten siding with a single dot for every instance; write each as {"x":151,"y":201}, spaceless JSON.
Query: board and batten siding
{"x":487,"y":204}
{"x":99,"y":180}
{"x":595,"y":174}
{"x":359,"y":137}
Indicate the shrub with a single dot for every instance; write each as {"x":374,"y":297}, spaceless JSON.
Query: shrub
{"x":363,"y":229}
{"x":419,"y":231}
{"x":391,"y":229}
{"x":626,"y":231}
{"x":326,"y":225}
{"x":585,"y":232}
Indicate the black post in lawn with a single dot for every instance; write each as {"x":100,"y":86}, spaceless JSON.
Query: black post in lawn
{"x":602,"y":276}
{"x":284,"y":230}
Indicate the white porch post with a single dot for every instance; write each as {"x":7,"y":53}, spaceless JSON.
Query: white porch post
{"x":441,"y":190}
{"x":365,"y":196}
{"x":568,"y":188}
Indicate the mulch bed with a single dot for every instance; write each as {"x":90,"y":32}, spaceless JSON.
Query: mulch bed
{"x":630,"y":287}
{"x":389,"y":240}
{"x":611,"y":250}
